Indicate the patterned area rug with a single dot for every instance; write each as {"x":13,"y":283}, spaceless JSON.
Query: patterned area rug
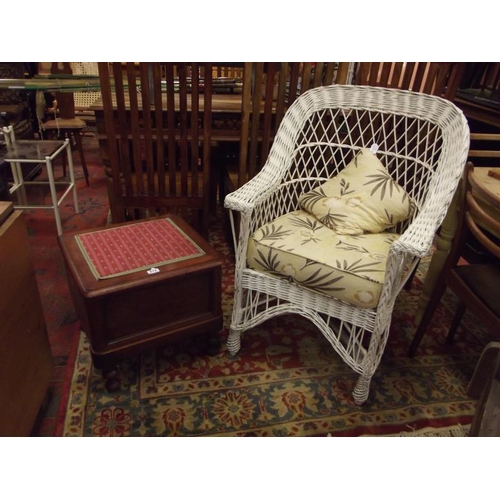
{"x":285,"y":381}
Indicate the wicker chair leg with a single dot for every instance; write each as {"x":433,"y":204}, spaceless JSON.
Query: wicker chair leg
{"x":233,"y":342}
{"x":361,"y":389}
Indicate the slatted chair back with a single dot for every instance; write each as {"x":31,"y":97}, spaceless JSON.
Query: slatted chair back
{"x":159,"y":128}
{"x":485,"y":149}
{"x":483,"y":153}
{"x":478,"y":210}
{"x":482,"y":79}
{"x":228,"y":70}
{"x":434,"y":78}
{"x":479,"y":221}
{"x":268,"y":90}
{"x":477,"y":286}
{"x":473,"y":278}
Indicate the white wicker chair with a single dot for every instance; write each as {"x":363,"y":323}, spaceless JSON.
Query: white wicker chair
{"x":423,"y":141}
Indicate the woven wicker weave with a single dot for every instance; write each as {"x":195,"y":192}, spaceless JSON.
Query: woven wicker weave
{"x":423,"y":141}
{"x":85,"y":99}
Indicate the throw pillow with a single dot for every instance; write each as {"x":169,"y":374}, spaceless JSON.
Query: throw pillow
{"x":362,"y":198}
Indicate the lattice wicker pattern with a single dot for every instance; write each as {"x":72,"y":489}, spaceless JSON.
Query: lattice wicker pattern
{"x":85,"y":99}
{"x":423,"y":140}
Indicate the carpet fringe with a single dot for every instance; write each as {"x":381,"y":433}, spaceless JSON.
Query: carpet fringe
{"x":452,"y":431}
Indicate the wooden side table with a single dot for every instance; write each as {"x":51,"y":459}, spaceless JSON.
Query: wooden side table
{"x":142,"y":284}
{"x":69,"y":128}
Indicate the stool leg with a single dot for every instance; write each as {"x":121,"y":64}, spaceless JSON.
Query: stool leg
{"x":17,"y":175}
{"x":79,"y":145}
{"x":72,"y":174}
{"x":64,"y":160}
{"x":52,"y":135}
{"x":53,"y":195}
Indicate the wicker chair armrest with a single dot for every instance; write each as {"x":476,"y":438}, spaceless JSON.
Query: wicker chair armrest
{"x":417,"y":239}
{"x":246,"y":197}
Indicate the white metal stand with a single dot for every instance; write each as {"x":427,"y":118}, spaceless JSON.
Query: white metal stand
{"x":31,"y":151}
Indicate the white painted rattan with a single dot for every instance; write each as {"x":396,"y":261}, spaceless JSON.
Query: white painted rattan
{"x":423,"y":140}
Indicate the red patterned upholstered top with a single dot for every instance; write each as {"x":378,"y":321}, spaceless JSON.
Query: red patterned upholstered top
{"x":126,"y":249}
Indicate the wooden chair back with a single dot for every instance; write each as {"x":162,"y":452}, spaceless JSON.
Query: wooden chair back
{"x":158,"y":129}
{"x":479,"y":221}
{"x":483,"y":158}
{"x":228,"y":70}
{"x":485,"y":149}
{"x":268,"y":90}
{"x":478,"y":215}
{"x":477,"y":289}
{"x":482,"y":79}
{"x":434,"y":78}
{"x":485,"y":155}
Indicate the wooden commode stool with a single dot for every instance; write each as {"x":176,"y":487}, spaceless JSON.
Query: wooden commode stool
{"x":142,"y":284}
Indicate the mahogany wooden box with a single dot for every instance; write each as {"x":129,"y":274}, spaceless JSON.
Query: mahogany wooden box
{"x":126,"y":313}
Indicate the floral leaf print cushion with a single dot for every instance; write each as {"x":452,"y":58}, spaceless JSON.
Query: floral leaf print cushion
{"x":362,"y":198}
{"x":298,"y":247}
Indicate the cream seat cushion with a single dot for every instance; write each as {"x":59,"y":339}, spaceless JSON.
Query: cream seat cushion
{"x":299,"y":247}
{"x":362,"y":198}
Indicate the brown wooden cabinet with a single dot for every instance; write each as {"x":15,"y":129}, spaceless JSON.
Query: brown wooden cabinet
{"x":135,"y":310}
{"x":25,"y":357}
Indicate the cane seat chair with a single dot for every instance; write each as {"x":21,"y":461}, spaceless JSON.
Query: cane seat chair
{"x":158,"y":127}
{"x":422,"y":140}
